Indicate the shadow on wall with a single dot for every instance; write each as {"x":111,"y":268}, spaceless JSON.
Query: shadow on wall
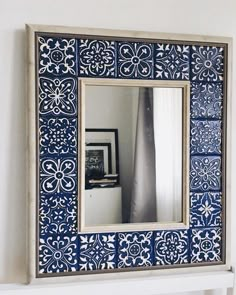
{"x":14,"y":232}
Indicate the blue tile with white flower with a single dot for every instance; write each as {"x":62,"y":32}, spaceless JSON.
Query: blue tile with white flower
{"x":58,"y":213}
{"x":206,"y":245}
{"x":207,"y":63}
{"x":58,"y":175}
{"x":58,"y":253}
{"x":205,"y":173}
{"x":57,"y":136}
{"x":171,"y":247}
{"x":206,"y":100}
{"x":57,"y":97}
{"x":97,"y":58}
{"x":97,"y":251}
{"x":135,"y":60}
{"x":172,"y":61}
{"x":135,"y":249}
{"x":57,"y":56}
{"x":206,"y":209}
{"x":206,"y":137}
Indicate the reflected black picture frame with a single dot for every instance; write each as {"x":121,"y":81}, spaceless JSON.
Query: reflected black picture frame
{"x":103,"y":144}
{"x":106,"y":135}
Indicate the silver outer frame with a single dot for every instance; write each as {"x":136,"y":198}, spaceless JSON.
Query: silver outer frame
{"x":32,"y":160}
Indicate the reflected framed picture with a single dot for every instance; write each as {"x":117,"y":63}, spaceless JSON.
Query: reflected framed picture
{"x":103,"y":139}
{"x":98,"y":159}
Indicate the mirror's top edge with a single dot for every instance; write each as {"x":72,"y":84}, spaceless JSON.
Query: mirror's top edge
{"x":35,"y":28}
{"x":134,"y":82}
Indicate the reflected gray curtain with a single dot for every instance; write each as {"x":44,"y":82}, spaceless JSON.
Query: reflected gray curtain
{"x":143,"y":198}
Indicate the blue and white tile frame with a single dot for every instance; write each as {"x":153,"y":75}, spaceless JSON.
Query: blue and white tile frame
{"x":61,"y":61}
{"x":57,"y":109}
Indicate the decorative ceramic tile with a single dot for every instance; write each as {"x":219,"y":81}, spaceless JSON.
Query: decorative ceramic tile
{"x":58,"y":214}
{"x":205,"y":137}
{"x":205,"y":173}
{"x":172,"y":62}
{"x":205,"y":209}
{"x":58,"y":254}
{"x":57,"y":96}
{"x":206,"y":100}
{"x":97,"y":251}
{"x":57,"y":175}
{"x":206,"y":245}
{"x":57,"y":56}
{"x":207,"y":63}
{"x":135,"y":60}
{"x":57,"y":136}
{"x":97,"y":58}
{"x":134,"y":249}
{"x":171,"y":247}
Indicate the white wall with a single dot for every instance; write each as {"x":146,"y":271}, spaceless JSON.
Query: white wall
{"x":212,"y":17}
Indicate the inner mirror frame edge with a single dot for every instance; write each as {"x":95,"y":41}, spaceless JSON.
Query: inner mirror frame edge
{"x":185,"y":85}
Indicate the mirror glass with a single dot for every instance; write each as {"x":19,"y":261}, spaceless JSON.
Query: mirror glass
{"x":133,"y":154}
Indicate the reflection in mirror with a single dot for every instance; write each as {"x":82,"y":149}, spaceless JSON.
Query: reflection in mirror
{"x":133,"y":155}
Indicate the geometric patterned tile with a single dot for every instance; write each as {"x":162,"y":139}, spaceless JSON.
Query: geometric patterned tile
{"x":205,"y":137}
{"x":57,"y":96}
{"x":172,"y":62}
{"x":134,"y":249}
{"x":97,"y":58}
{"x":57,"y":56}
{"x":58,"y":214}
{"x":171,"y":247}
{"x":205,"y":173}
{"x":58,"y":254}
{"x":57,"y":136}
{"x":58,"y":175}
{"x":206,"y":100}
{"x":97,"y":251}
{"x":135,"y":60}
{"x":205,"y":209}
{"x":206,"y":245}
{"x":207,"y":63}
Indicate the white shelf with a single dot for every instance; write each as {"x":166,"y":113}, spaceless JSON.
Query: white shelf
{"x":139,"y":285}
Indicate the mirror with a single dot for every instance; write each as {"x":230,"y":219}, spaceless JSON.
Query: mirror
{"x":135,"y":154}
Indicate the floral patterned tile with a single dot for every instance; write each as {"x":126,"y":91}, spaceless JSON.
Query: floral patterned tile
{"x":135,"y":60}
{"x":58,"y":253}
{"x":206,"y":209}
{"x":206,"y":100}
{"x":57,"y":56}
{"x":206,"y":137}
{"x":57,"y":96}
{"x":58,"y":175}
{"x":57,"y":136}
{"x":207,"y":63}
{"x":205,"y":173}
{"x":97,"y":58}
{"x":58,"y":214}
{"x":171,"y":247}
{"x":97,"y":251}
{"x":134,"y":249}
{"x":172,"y":62}
{"x":206,"y":245}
